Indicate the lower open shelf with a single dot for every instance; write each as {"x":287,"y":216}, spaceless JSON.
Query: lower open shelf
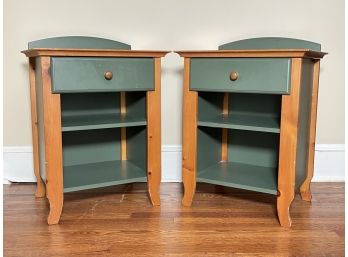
{"x":240,"y":175}
{"x":101,"y":174}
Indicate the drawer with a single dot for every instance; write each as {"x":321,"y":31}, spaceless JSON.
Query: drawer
{"x":90,"y":74}
{"x":251,"y":75}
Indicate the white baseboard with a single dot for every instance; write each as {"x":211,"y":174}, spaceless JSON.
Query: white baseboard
{"x":329,"y":163}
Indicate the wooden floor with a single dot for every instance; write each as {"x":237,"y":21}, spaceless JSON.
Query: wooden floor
{"x":119,"y":221}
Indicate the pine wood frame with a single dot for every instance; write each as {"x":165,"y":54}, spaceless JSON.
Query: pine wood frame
{"x":53,"y":186}
{"x":289,"y":126}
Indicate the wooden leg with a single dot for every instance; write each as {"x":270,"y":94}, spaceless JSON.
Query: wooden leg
{"x":305,"y":187}
{"x":288,"y":145}
{"x":189,"y":137}
{"x":53,"y":143}
{"x":40,"y":186}
{"x":154,"y":137}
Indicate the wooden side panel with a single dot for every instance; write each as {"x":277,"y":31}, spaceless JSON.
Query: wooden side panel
{"x":123,"y":130}
{"x":305,"y":187}
{"x":154,"y":136}
{"x":224,"y":143}
{"x":53,"y":141}
{"x":288,"y":145}
{"x":40,"y":189}
{"x":189,"y":137}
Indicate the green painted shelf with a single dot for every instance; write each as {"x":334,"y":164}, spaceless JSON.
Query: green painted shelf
{"x":240,"y":175}
{"x":101,"y":174}
{"x":262,"y":123}
{"x":100,"y":121}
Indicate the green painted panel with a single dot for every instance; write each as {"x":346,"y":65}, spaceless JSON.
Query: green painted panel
{"x":253,"y":148}
{"x":87,"y":74}
{"x":254,"y":112}
{"x":137,"y":146}
{"x":78,"y":42}
{"x":243,"y":122}
{"x":271,"y":43}
{"x":90,"y":146}
{"x":256,"y":75}
{"x":136,"y":104}
{"x":208,"y":147}
{"x":304,"y":119}
{"x":241,"y":175}
{"x":84,"y":111}
{"x":101,"y":174}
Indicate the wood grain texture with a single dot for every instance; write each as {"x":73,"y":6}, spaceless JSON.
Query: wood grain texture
{"x":53,"y":139}
{"x":305,"y":187}
{"x":123,"y":111}
{"x":189,"y":137}
{"x":290,"y":53}
{"x":120,"y":221}
{"x":224,"y":143}
{"x":288,"y":145}
{"x":153,"y":105}
{"x":40,"y":186}
{"x":92,"y":52}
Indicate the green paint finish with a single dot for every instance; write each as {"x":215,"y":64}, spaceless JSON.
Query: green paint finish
{"x":91,"y":146}
{"x":136,"y":104}
{"x":86,"y":111}
{"x":256,"y":75}
{"x":101,"y":174}
{"x":253,"y":148}
{"x":243,"y":122}
{"x":89,"y":122}
{"x":87,"y":74}
{"x":137,"y":146}
{"x":254,"y":112}
{"x":78,"y":42}
{"x":304,"y":121}
{"x":270,"y":43}
{"x":241,"y":175}
{"x":208,"y":147}
{"x":40,"y":118}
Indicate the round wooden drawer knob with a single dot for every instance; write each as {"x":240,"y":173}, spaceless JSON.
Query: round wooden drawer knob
{"x":108,"y":75}
{"x":234,"y":75}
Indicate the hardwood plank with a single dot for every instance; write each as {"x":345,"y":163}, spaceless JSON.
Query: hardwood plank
{"x":120,"y":221}
{"x":53,"y":139}
{"x":153,"y":108}
{"x":40,"y":189}
{"x":305,"y":187}
{"x":189,"y":137}
{"x":288,"y":145}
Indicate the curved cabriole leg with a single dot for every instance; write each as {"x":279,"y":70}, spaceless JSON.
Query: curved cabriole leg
{"x":189,"y":182}
{"x":283,"y":209}
{"x":53,"y":144}
{"x":189,"y":135}
{"x":56,"y":205}
{"x":288,"y":145}
{"x":305,"y":187}
{"x":154,"y":137}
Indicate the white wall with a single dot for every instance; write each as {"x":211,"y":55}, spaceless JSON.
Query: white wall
{"x":170,"y":25}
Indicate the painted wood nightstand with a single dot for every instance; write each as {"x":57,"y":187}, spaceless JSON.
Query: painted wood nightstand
{"x":249,"y":117}
{"x":96,"y":116}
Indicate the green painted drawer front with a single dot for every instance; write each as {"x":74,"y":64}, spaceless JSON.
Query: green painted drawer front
{"x":87,"y":74}
{"x":255,"y":75}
